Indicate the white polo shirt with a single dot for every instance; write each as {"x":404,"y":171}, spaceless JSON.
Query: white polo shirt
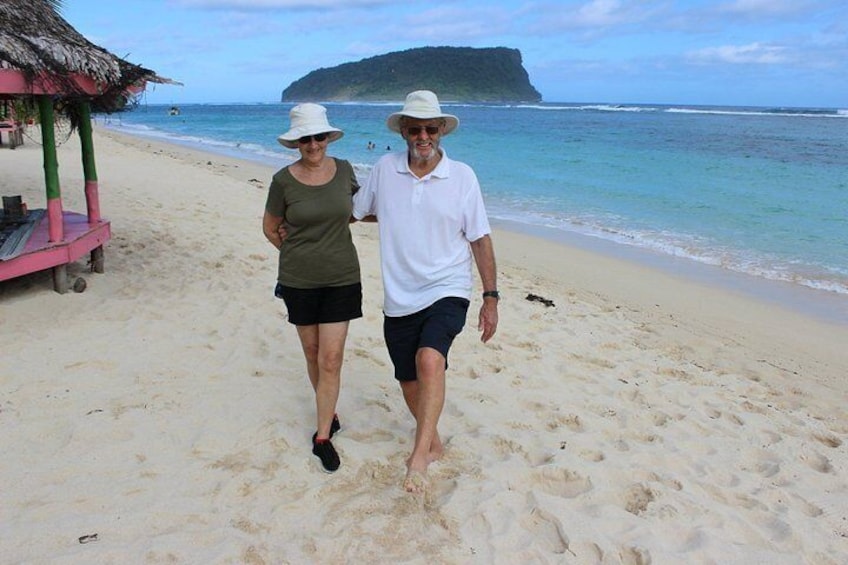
{"x":425,"y":228}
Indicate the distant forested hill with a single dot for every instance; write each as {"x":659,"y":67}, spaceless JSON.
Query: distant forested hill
{"x":453,"y":73}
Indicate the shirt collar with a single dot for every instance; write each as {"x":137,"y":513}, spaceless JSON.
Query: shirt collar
{"x":441,"y":171}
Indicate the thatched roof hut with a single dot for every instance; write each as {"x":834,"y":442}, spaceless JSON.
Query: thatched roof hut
{"x":43,"y":60}
{"x":41,"y":53}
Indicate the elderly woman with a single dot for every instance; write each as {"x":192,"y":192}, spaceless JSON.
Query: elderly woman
{"x":318,"y":275}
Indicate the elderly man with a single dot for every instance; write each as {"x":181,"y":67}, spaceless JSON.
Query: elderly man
{"x":432,"y":221}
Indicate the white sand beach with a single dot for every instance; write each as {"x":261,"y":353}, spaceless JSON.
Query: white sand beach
{"x":165,"y":412}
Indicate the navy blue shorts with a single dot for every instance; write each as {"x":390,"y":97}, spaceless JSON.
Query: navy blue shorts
{"x":435,"y":326}
{"x":310,"y":306}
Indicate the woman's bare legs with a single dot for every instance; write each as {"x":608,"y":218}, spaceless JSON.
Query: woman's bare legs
{"x":323,"y":346}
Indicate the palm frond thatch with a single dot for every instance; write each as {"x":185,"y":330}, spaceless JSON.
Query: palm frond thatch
{"x":38,"y":43}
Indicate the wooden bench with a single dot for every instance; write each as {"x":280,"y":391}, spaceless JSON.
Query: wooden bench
{"x":12,"y":132}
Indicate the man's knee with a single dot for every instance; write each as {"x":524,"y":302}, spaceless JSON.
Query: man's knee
{"x":429,"y":362}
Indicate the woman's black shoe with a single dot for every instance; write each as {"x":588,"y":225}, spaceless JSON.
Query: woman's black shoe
{"x":325,"y":451}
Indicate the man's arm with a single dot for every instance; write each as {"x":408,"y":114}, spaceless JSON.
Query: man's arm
{"x":484,"y":256}
{"x":270,"y":227}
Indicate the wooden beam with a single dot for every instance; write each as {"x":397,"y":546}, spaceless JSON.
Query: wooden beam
{"x":13,"y":81}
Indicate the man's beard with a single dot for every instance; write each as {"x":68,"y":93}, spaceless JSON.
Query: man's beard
{"x":433,"y":154}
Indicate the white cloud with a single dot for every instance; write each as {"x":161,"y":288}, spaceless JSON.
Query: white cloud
{"x":753,"y":53}
{"x":602,"y":13}
{"x":598,"y":17}
{"x":764,"y":8}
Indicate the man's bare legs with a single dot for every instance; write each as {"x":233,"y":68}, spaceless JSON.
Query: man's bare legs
{"x":425,"y":399}
{"x":323,"y":347}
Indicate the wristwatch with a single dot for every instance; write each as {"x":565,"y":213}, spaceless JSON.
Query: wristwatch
{"x":492,"y":294}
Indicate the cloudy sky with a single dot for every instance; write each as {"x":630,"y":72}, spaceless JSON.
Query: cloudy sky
{"x":714,"y":52}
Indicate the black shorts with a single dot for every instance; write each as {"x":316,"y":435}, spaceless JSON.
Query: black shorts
{"x":310,"y":306}
{"x":435,"y":326}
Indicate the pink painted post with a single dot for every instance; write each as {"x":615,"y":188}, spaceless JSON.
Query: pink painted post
{"x":92,"y":200}
{"x":55,"y":219}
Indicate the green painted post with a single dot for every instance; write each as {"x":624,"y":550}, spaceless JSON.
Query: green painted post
{"x":55,"y":217}
{"x":88,"y":165}
{"x":48,"y":143}
{"x":92,"y":195}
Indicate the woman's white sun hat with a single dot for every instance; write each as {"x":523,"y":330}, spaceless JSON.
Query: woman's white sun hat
{"x":423,"y":105}
{"x":308,"y":119}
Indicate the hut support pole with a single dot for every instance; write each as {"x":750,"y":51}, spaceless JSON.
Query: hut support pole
{"x":92,"y":198}
{"x":60,"y":279}
{"x":56,"y":228}
{"x":92,"y":194}
{"x":51,"y":169}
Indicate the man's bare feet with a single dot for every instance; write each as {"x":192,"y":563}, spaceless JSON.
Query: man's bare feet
{"x":415,"y":482}
{"x":416,"y":474}
{"x":436,"y":449}
{"x":435,"y":454}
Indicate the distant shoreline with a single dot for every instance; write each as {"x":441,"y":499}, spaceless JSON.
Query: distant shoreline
{"x":801,"y":111}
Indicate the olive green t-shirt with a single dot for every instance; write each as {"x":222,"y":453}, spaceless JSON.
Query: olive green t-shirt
{"x":318,"y":250}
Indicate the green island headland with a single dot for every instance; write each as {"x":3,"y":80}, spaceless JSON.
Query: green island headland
{"x":455,"y":74}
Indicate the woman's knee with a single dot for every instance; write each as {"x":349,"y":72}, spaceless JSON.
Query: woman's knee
{"x":331,"y":361}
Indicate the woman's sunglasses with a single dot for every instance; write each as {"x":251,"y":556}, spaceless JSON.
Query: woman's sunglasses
{"x":308,"y":138}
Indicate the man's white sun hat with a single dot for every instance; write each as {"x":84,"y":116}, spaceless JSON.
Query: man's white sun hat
{"x":422,"y":105}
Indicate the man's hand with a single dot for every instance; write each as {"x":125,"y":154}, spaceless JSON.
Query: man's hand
{"x":484,"y":256}
{"x":488,"y":320}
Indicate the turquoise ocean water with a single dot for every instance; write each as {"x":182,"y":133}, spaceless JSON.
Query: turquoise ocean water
{"x":760,"y":194}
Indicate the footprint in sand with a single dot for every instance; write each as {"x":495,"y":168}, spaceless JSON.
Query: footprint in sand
{"x":570,"y":421}
{"x":369,"y":355}
{"x":595,"y":362}
{"x":665,"y":481}
{"x":763,"y":463}
{"x":749,"y":406}
{"x":660,"y":419}
{"x":828,"y":440}
{"x":490,"y":369}
{"x":630,"y":555}
{"x":369,"y":437}
{"x":592,"y":455}
{"x":817,"y":462}
{"x":637,"y":498}
{"x":547,"y":531}
{"x":506,"y":448}
{"x":806,"y":507}
{"x":554,"y":481}
{"x":379,"y":404}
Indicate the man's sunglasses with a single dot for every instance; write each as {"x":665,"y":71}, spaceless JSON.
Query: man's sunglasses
{"x":416,"y":130}
{"x":308,"y":138}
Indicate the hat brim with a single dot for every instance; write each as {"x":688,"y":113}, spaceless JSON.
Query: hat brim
{"x":451,"y":121}
{"x":289,"y":139}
